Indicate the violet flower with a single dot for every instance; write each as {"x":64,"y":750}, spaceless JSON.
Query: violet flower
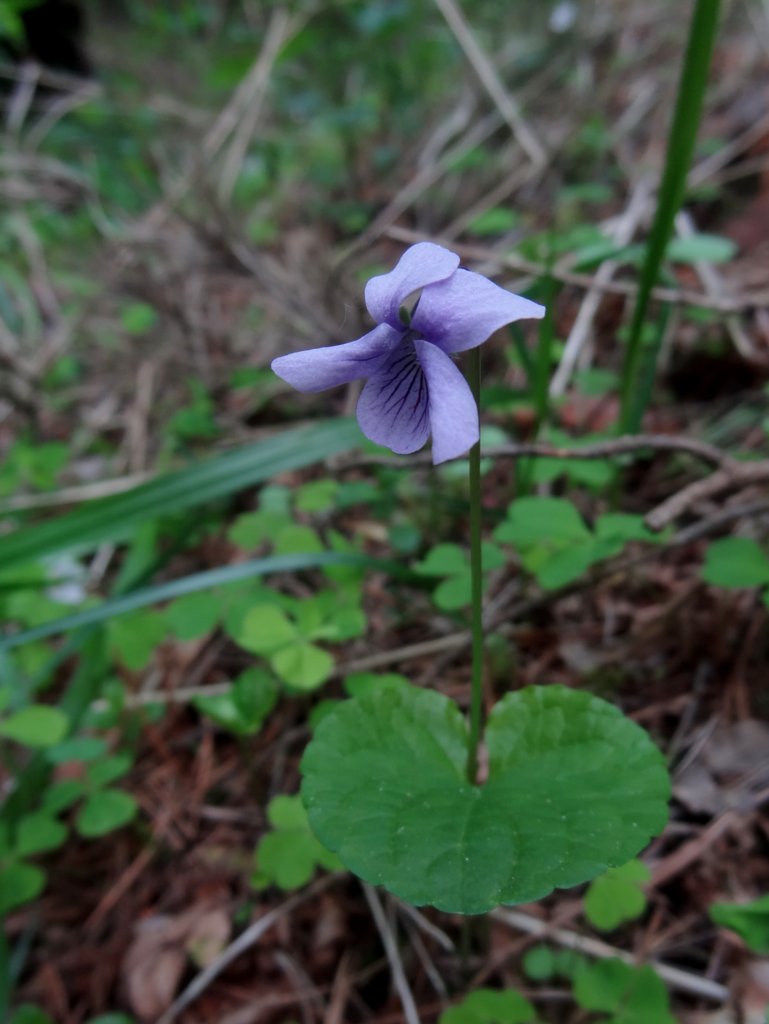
{"x":413,"y":387}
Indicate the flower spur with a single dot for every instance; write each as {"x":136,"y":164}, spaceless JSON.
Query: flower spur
{"x":413,"y":387}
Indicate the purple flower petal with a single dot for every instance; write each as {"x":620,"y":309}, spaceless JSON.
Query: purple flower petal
{"x":452,"y":409}
{"x":463,"y":311}
{"x":320,"y":368}
{"x":393,"y":407}
{"x":420,"y":265}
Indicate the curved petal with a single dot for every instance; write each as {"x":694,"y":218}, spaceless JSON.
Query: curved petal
{"x":393,"y":406}
{"x":465,"y":310}
{"x":452,"y":409}
{"x":420,"y":265}
{"x":319,"y":368}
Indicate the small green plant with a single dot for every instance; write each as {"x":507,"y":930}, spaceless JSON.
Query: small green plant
{"x":617,"y":896}
{"x":285,"y":632}
{"x":750,"y":921}
{"x":289,"y":855}
{"x":630,"y":995}
{"x":243,"y":709}
{"x":35,"y":833}
{"x":450,"y":564}
{"x":736,"y":562}
{"x":556,"y":545}
{"x":37,"y":725}
{"x":490,"y":1006}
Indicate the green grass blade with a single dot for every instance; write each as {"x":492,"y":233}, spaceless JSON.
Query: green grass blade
{"x":680,"y":147}
{"x":191,"y":584}
{"x":114,"y":517}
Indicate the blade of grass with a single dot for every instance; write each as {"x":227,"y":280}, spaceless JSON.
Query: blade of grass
{"x":680,"y":147}
{"x":252,"y":569}
{"x":113,"y":518}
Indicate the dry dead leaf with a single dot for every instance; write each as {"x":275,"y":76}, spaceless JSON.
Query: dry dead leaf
{"x":153,"y":966}
{"x":157,"y":957}
{"x":208,"y":936}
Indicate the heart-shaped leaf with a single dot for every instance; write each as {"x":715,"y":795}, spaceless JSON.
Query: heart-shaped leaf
{"x":574,"y":788}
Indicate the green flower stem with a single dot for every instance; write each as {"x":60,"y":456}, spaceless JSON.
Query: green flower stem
{"x":476,"y":568}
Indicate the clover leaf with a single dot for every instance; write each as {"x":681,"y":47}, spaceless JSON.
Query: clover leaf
{"x":749,"y":920}
{"x":289,"y":855}
{"x":285,"y":635}
{"x":488,"y":1006}
{"x":451,"y":561}
{"x":617,"y":896}
{"x":633,"y":995}
{"x":735,"y":562}
{"x":556,"y":545}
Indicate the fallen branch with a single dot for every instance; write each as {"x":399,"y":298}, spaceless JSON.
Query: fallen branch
{"x":628,"y":445}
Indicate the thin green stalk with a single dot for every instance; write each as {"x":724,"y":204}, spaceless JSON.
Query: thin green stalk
{"x":6,"y":982}
{"x":680,"y":147}
{"x":476,"y":568}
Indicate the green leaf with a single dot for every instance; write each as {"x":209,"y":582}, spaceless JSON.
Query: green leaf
{"x":735,"y":562}
{"x":533,"y":520}
{"x":573,"y":788}
{"x":29,"y":1014}
{"x":635,"y":995}
{"x":19,"y":883}
{"x":566,"y":565}
{"x":77,"y":748}
{"x":302,"y":666}
{"x":254,"y":528}
{"x":295,"y":539}
{"x":244,"y":708}
{"x":617,"y":896}
{"x":495,"y":221}
{"x":138,"y":317}
{"x":488,"y":1006}
{"x":133,"y":638}
{"x":701,"y":248}
{"x":254,"y":693}
{"x":101,"y":773}
{"x":493,"y":556}
{"x":316,"y":496}
{"x":37,"y":833}
{"x":358,"y":683}
{"x":749,"y":920}
{"x":541,"y":963}
{"x":112,"y":1018}
{"x":113,"y":517}
{"x":264,"y":629}
{"x":35,"y":726}
{"x":443,"y":560}
{"x":288,"y":856}
{"x":454,"y":593}
{"x":104,"y":811}
{"x":624,"y":526}
{"x":193,"y":615}
{"x":60,"y":795}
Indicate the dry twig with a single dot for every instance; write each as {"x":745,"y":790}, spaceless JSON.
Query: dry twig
{"x":682,"y":980}
{"x":244,"y":941}
{"x":410,"y":1012}
{"x":492,"y":83}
